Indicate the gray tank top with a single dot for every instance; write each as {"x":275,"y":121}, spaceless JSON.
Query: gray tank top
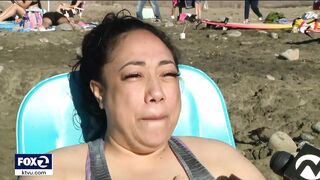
{"x":97,"y":168}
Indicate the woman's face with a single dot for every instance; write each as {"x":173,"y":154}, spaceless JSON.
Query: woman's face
{"x":140,"y":92}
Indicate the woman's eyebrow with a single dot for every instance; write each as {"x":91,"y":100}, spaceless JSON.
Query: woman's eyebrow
{"x":165,"y":62}
{"x":137,"y":63}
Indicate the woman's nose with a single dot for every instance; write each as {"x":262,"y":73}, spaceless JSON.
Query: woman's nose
{"x":154,"y":91}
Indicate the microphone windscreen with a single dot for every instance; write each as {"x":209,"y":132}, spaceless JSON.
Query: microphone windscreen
{"x":280,"y":161}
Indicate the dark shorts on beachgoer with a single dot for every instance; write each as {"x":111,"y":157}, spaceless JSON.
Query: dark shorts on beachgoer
{"x":54,"y":17}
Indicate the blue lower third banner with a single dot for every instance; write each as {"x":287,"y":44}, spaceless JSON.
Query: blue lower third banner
{"x":33,"y":165}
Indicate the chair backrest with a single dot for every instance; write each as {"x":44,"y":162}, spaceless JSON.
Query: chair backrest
{"x":47,"y":118}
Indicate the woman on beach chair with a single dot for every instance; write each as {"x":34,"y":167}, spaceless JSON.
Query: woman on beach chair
{"x":18,"y":8}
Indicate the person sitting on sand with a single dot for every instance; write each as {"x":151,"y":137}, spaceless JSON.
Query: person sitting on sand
{"x":70,"y":10}
{"x":129,"y":80}
{"x":18,"y":8}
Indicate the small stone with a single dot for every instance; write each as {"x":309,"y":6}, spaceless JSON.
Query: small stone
{"x":1,"y":48}
{"x":274,"y":35}
{"x":270,"y":77}
{"x":211,"y":35}
{"x":44,"y":40}
{"x":1,"y":68}
{"x":290,"y":54}
{"x":306,"y":137}
{"x":79,"y":51}
{"x":302,"y":102}
{"x":316,"y":127}
{"x":262,"y":32}
{"x":246,"y":43}
{"x":281,"y":141}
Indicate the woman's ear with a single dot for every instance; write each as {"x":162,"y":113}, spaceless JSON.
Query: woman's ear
{"x":97,"y":90}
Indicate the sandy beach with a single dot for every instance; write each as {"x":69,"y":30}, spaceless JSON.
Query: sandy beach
{"x":264,"y":94}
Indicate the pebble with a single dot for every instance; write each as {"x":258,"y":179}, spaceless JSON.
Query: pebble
{"x":1,"y":68}
{"x":281,"y":141}
{"x":1,"y":48}
{"x":290,"y":54}
{"x":316,"y":127}
{"x":79,"y":51}
{"x":274,"y":35}
{"x":262,"y":32}
{"x":246,"y":43}
{"x":306,"y":137}
{"x":302,"y":102}
{"x":211,"y":35}
{"x":44,"y":40}
{"x":270,"y":77}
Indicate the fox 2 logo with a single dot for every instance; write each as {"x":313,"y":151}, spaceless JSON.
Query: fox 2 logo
{"x":33,"y":161}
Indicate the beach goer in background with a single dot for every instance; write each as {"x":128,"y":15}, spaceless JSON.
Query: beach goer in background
{"x":18,"y":8}
{"x":254,"y":4}
{"x":69,"y":10}
{"x":129,"y":80}
{"x":198,"y":7}
{"x":155,"y":7}
{"x":53,"y":19}
{"x":175,"y":4}
{"x":316,"y":5}
{"x":65,"y":14}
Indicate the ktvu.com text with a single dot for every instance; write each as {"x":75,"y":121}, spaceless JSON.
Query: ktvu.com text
{"x":33,"y":165}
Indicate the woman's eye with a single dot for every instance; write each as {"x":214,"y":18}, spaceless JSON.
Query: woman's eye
{"x":132,"y":76}
{"x":172,"y":74}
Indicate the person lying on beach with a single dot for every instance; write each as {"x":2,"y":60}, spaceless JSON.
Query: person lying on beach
{"x":54,"y":19}
{"x":18,"y":8}
{"x":129,"y":81}
{"x":64,"y":14}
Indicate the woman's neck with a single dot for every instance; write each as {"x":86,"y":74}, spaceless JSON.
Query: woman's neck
{"x":116,"y":149}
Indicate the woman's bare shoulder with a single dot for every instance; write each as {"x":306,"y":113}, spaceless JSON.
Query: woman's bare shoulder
{"x":68,"y":156}
{"x":68,"y":163}
{"x":221,"y":159}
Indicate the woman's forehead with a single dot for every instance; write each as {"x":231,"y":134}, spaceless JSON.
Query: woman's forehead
{"x":140,"y":45}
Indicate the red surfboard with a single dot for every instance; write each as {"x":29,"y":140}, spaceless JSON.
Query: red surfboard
{"x":249,"y":26}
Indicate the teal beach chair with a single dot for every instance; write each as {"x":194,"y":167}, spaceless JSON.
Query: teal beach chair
{"x":47,"y":118}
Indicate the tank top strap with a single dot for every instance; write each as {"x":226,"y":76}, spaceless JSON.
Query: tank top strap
{"x":194,"y":169}
{"x":98,"y":164}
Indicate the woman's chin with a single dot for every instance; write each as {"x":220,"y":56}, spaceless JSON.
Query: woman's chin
{"x":155,"y":140}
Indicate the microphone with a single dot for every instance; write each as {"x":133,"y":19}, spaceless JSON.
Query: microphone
{"x":304,"y":166}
